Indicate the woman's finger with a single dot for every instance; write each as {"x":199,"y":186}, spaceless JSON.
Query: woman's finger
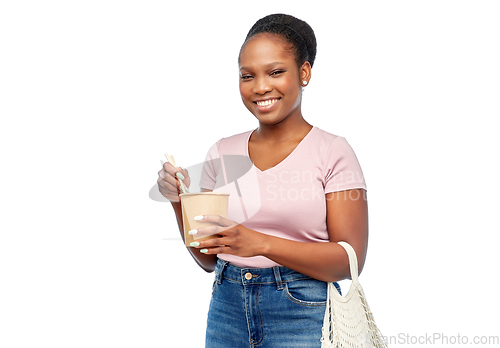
{"x":172,"y":173}
{"x":207,"y":231}
{"x":214,"y":246}
{"x":169,"y":168}
{"x":220,"y":220}
{"x":168,"y":185}
{"x":216,"y":250}
{"x":212,"y":243}
{"x":166,"y":192}
{"x":167,"y":182}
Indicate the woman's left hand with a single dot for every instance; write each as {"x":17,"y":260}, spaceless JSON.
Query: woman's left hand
{"x":234,"y":238}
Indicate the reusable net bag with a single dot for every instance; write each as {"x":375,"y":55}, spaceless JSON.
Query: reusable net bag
{"x":348,"y":321}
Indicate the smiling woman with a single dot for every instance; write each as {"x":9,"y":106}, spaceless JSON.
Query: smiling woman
{"x":277,"y":249}
{"x":270,"y":84}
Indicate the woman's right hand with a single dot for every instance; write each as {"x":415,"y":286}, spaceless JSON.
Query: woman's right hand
{"x":168,"y":182}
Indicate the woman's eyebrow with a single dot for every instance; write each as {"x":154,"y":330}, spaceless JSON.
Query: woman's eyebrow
{"x":267,"y":66}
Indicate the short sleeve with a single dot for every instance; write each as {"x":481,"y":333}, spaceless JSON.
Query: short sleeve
{"x":342,"y":169}
{"x":210,"y":168}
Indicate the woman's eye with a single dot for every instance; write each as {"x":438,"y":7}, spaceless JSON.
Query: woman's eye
{"x":246,"y":77}
{"x":277,"y":72}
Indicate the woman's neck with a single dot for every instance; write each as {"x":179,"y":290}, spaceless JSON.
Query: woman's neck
{"x":288,"y":130}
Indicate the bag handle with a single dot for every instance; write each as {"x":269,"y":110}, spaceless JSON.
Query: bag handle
{"x":353,"y":260}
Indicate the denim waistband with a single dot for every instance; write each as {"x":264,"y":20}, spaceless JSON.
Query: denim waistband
{"x":247,"y":276}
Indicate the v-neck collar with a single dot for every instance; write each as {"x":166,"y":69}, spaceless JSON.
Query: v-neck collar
{"x":285,"y":159}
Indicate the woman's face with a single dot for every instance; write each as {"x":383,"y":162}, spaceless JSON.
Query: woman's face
{"x":270,"y":81}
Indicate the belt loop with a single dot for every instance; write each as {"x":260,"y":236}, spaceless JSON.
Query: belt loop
{"x":277,"y":275}
{"x":221,"y":265}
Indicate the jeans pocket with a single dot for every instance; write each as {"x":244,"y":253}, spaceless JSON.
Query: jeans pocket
{"x":306,"y":292}
{"x":214,"y":287}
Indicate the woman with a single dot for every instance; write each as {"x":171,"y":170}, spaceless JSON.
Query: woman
{"x":272,"y":266}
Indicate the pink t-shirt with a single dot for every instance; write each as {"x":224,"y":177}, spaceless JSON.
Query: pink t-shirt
{"x":287,"y":200}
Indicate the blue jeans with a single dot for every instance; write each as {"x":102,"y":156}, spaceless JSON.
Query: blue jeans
{"x":265,"y":307}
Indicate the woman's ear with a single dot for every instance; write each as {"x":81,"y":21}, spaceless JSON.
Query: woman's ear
{"x":305,"y":74}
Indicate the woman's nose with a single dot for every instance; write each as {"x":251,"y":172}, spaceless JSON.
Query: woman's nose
{"x":262,"y":86}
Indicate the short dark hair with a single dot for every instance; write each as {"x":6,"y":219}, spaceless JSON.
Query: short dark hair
{"x":297,"y":32}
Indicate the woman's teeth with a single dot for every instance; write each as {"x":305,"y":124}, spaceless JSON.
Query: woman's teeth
{"x":267,"y":102}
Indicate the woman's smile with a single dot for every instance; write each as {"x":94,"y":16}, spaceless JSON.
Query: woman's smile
{"x":266,"y":105}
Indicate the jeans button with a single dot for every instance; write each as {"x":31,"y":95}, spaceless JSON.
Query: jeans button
{"x":248,"y":276}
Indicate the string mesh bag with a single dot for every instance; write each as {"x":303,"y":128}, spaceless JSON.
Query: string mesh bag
{"x":348,"y":321}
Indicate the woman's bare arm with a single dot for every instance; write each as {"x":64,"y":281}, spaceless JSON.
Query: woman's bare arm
{"x":347,"y":220}
{"x":168,"y":185}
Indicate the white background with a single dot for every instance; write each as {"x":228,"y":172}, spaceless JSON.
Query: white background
{"x":92,"y":93}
